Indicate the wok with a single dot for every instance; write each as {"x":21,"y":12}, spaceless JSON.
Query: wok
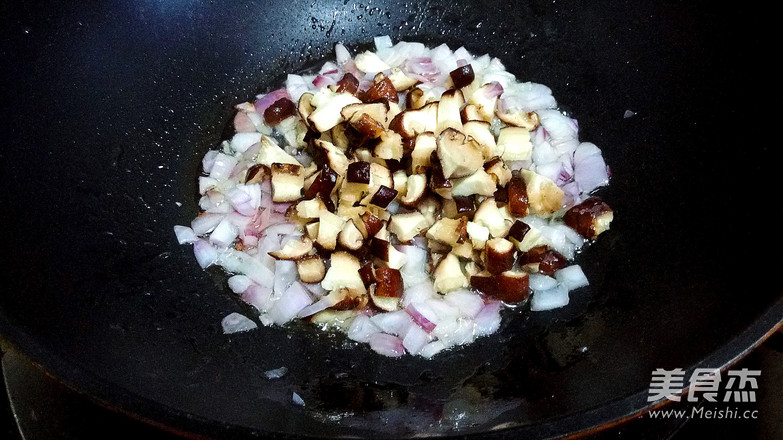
{"x":108,"y":107}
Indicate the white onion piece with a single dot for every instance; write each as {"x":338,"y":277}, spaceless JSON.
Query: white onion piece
{"x":316,"y":289}
{"x":542,"y":149}
{"x":382,"y":42}
{"x":258,"y":123}
{"x":289,"y":304}
{"x":562,"y":132}
{"x":285,"y":275}
{"x":432,"y":349}
{"x":206,"y":183}
{"x":422,"y":69}
{"x":277,"y":373}
{"x":322,"y":304}
{"x":487,"y":321}
{"x":224,"y":233}
{"x":455,"y":332}
{"x":297,"y":85}
{"x":528,"y":97}
{"x":414,"y":271}
{"x":342,"y":54}
{"x":386,"y":345}
{"x":222,"y":166}
{"x":239,"y":283}
{"x":206,"y":254}
{"x":242,"y":141}
{"x":424,"y":314}
{"x":572,"y":277}
{"x":415,"y":339}
{"x":550,"y":170}
{"x":235,"y":322}
{"x":468,"y":303}
{"x":297,"y":399}
{"x":241,"y":263}
{"x":549,"y":299}
{"x":541,"y":282}
{"x":185,"y":235}
{"x":443,"y":310}
{"x":260,"y":298}
{"x":323,"y":81}
{"x":208,"y":161}
{"x":240,"y":200}
{"x":394,"y":323}
{"x":420,"y":319}
{"x":362,"y":328}
{"x":590,"y":170}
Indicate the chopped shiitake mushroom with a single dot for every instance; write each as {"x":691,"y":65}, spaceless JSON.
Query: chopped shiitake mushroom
{"x":451,"y":103}
{"x":447,"y":231}
{"x":388,"y":288}
{"x":408,"y":225}
{"x":257,"y":174}
{"x":270,"y":152}
{"x":294,"y":249}
{"x":310,"y":209}
{"x":383,"y":196}
{"x":389,"y":146}
{"x":400,"y":80}
{"x":518,"y":201}
{"x":329,"y":227}
{"x":514,"y":143}
{"x":411,"y":123}
{"x":589,"y":218}
{"x":311,"y":269}
{"x":499,"y":255}
{"x":369,"y":224}
{"x":448,"y":275}
{"x":424,"y":146}
{"x":350,"y":237}
{"x":510,"y":286}
{"x":332,"y":156}
{"x":470,"y":113}
{"x":478,"y":235}
{"x":377,"y":111}
{"x":328,"y":108}
{"x":382,"y":89}
{"x":287,"y":182}
{"x":343,"y":273}
{"x":305,"y":106}
{"x":493,"y":217}
{"x":443,"y":156}
{"x":418,"y":97}
{"x":400,"y":182}
{"x":542,"y":259}
{"x":459,"y":156}
{"x":499,"y":171}
{"x":415,"y":189}
{"x":481,"y":132}
{"x":385,"y":303}
{"x":479,"y":183}
{"x":484,"y":101}
{"x":387,"y":254}
{"x":519,"y":118}
{"x":544,"y":196}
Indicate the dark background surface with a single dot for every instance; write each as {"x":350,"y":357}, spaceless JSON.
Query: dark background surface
{"x":107,"y":108}
{"x":65,"y":415}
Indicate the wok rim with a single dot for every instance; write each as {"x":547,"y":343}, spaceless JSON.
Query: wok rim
{"x":182,"y":423}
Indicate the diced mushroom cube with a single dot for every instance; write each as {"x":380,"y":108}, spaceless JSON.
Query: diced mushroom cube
{"x":589,"y":218}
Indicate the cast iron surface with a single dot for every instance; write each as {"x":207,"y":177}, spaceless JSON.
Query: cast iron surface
{"x":108,"y":107}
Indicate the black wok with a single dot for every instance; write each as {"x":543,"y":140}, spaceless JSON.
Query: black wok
{"x":107,"y":108}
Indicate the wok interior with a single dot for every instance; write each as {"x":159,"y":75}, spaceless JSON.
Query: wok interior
{"x":112,"y":107}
